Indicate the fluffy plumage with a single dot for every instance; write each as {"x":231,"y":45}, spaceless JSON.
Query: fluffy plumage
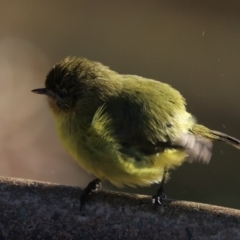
{"x":124,"y":128}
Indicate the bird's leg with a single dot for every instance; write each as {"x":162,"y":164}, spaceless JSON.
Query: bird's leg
{"x":157,"y":199}
{"x":93,"y":185}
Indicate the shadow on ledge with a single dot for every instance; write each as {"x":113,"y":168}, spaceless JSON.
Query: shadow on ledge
{"x":36,"y":210}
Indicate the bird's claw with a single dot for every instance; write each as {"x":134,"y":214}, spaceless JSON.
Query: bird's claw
{"x":92,"y":186}
{"x":157,"y":199}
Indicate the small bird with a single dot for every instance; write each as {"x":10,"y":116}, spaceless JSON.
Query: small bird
{"x":126,"y":129}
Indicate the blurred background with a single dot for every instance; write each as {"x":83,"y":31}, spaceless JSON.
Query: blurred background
{"x":192,"y":45}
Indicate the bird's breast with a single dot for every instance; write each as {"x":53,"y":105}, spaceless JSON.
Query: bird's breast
{"x":103,"y":158}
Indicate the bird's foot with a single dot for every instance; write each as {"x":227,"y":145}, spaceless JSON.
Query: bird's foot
{"x":93,"y":185}
{"x":157,"y":199}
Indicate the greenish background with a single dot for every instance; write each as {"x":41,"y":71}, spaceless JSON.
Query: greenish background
{"x":192,"y":45}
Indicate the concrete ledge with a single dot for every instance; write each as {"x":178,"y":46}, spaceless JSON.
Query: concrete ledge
{"x":36,"y":210}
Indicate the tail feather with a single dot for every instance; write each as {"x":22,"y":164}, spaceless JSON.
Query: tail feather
{"x":227,"y":139}
{"x":215,"y":135}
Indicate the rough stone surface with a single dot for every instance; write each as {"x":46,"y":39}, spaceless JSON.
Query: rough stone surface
{"x":36,"y":210}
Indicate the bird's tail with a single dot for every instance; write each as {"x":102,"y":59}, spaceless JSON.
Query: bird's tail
{"x":202,"y":131}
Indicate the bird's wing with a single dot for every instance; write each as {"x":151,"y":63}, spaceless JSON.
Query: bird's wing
{"x":151,"y":117}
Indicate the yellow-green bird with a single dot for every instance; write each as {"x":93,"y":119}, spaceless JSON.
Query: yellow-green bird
{"x":126,"y":129}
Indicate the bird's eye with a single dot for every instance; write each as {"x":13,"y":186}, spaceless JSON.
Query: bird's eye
{"x":62,"y":94}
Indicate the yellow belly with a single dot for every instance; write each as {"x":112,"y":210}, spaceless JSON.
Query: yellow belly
{"x":99,"y":155}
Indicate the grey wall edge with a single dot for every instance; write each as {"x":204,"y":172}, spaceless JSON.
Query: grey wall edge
{"x":37,"y":210}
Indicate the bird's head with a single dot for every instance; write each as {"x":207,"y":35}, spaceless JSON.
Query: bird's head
{"x":67,"y":83}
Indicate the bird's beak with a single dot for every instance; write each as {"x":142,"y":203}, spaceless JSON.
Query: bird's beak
{"x":42,"y":91}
